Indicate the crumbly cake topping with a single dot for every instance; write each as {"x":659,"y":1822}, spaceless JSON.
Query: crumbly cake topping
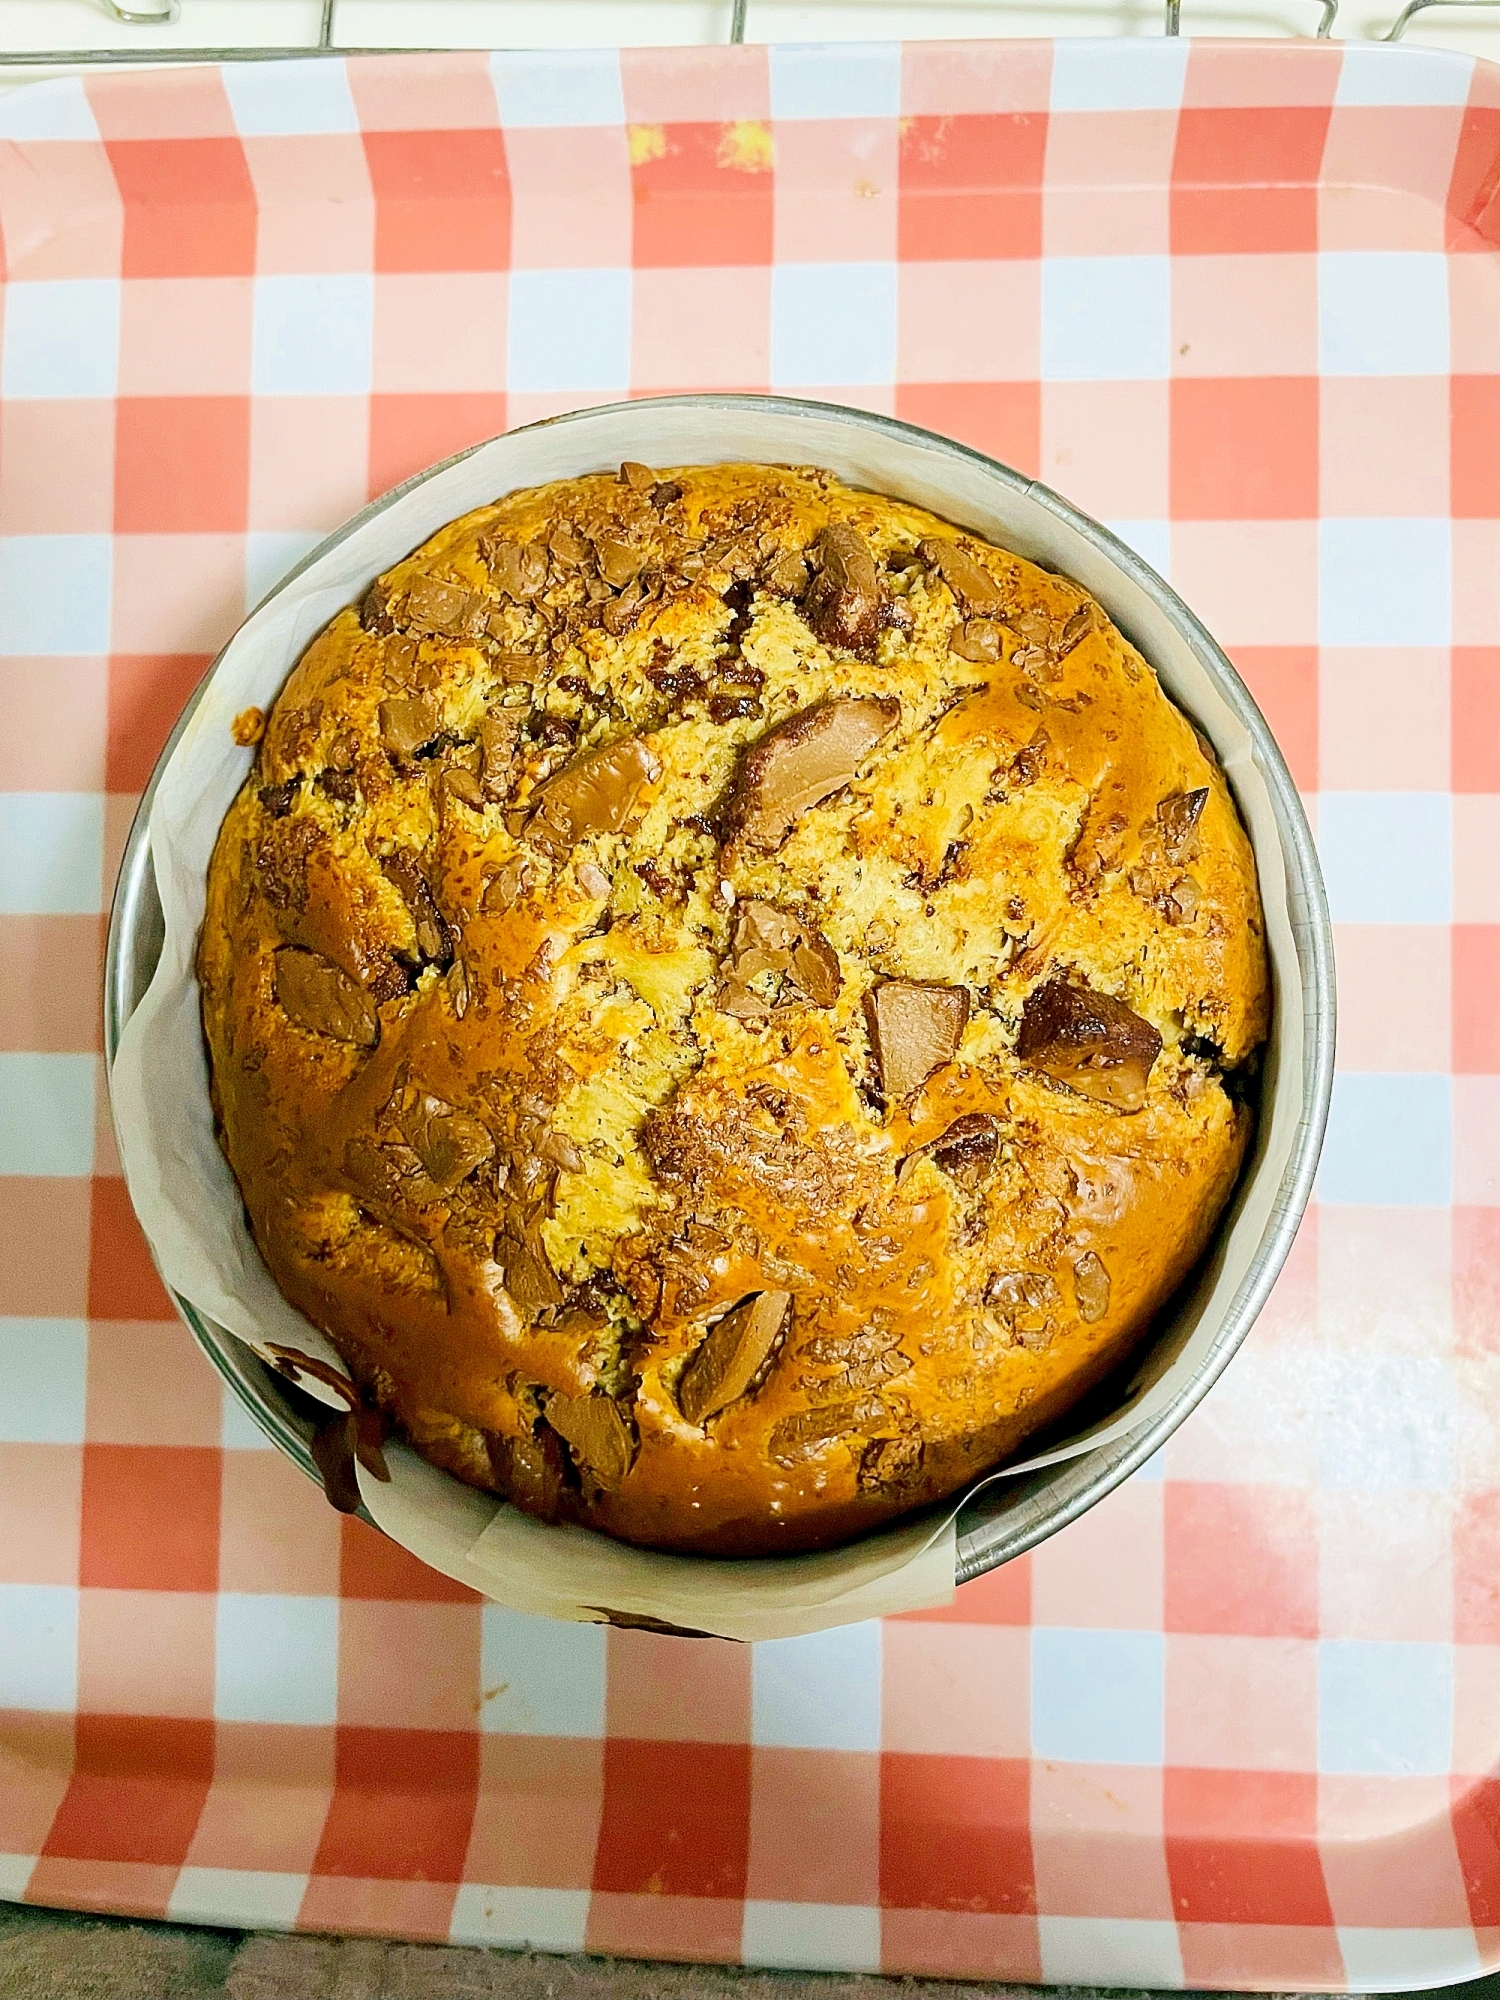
{"x":730,"y":1001}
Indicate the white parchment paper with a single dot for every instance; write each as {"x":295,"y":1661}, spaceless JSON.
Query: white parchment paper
{"x":182,"y":1187}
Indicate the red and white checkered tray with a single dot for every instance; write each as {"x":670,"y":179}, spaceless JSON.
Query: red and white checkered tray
{"x":1241,"y":1724}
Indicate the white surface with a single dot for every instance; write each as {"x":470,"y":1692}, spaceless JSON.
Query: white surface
{"x":235,"y":1897}
{"x":44,"y":1366}
{"x":545,"y":1919}
{"x":1126,"y":1951}
{"x":256,"y":1635}
{"x":812,"y":1937}
{"x":46,"y":24}
{"x":819,"y":1692}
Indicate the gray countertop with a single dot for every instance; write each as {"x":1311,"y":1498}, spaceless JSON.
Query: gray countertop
{"x":49,"y":1955}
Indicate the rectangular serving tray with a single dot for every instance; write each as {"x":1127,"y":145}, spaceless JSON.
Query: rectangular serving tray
{"x":1241,"y":1725}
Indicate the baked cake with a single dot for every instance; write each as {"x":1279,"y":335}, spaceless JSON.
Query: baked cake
{"x":732,"y":1003}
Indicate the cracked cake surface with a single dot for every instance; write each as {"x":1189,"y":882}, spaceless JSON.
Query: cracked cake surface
{"x":731,"y":1002}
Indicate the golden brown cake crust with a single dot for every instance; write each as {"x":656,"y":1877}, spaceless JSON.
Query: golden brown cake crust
{"x":727,"y":1001}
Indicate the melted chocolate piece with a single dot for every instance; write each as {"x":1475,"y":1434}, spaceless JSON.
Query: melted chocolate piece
{"x":844,"y":602}
{"x":787,"y":575}
{"x":568,"y":549}
{"x":517,"y":572}
{"x":1022,"y":1292}
{"x":450,"y":1144}
{"x":435,"y":606}
{"x":890,"y":1463}
{"x":292,"y":1362}
{"x":1178,"y":819}
{"x":529,"y":1472}
{"x":404,"y":871}
{"x":344,"y":1440}
{"x":278,"y":800}
{"x":977,"y":639}
{"x":463,"y":785}
{"x":618,"y":562}
{"x":966,"y":1152}
{"x":637,"y":1621}
{"x":375,"y":612}
{"x":597,"y":794}
{"x":1090,"y":1041}
{"x":1090,"y":1287}
{"x":913,"y":1030}
{"x":333,"y":1455}
{"x":808,"y":1433}
{"x":596,"y":1433}
{"x":783,"y":943}
{"x":315,"y":994}
{"x":733,"y":1358}
{"x":506,"y":886}
{"x":968,"y":579}
{"x":732,"y":707}
{"x":406,"y":723}
{"x":529,"y":1276}
{"x":799,"y":764}
{"x":340,"y":785}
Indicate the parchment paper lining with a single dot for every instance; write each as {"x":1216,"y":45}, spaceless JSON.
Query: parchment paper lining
{"x":186,"y":1197}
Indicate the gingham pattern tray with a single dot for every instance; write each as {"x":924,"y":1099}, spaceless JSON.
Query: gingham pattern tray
{"x":1241,"y":1724}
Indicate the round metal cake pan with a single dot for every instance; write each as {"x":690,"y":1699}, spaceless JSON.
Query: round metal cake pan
{"x":1008,"y":1515}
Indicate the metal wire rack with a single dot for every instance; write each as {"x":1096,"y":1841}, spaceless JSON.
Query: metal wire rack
{"x":169,"y":12}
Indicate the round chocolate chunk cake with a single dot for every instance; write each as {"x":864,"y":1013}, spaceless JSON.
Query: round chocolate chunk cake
{"x":730,"y":1002}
